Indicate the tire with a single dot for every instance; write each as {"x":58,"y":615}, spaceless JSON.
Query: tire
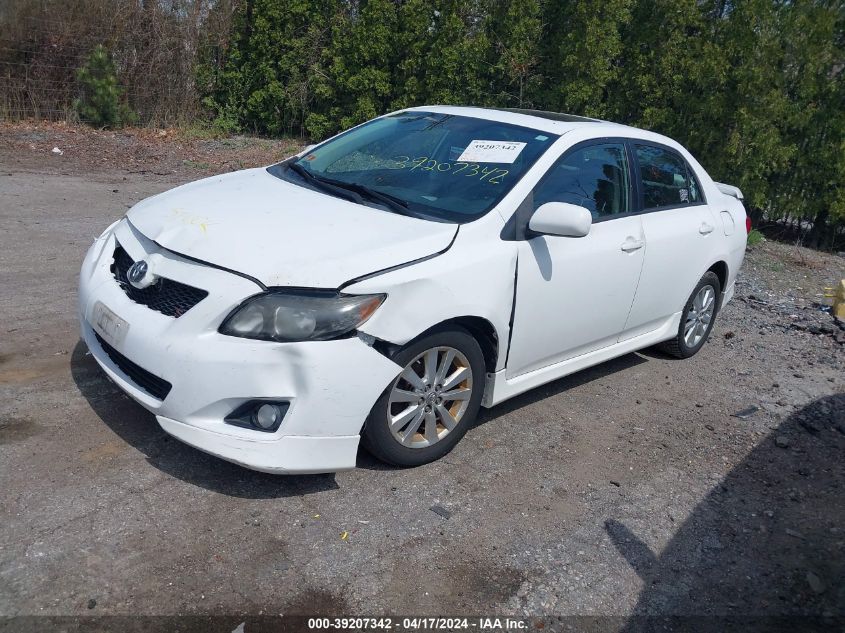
{"x":683,"y":345}
{"x":417,"y":400}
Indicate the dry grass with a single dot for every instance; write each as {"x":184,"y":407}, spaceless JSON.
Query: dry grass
{"x":29,"y":144}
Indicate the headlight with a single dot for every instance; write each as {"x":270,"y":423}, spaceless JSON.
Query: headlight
{"x":287,"y":316}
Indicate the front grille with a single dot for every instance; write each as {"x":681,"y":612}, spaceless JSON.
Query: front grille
{"x":169,"y":297}
{"x":152,"y":384}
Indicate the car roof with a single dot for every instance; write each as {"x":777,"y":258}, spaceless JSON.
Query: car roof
{"x":552,"y":116}
{"x":554,"y":122}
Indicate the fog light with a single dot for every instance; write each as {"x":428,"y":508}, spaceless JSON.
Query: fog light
{"x":266,"y":416}
{"x":259,"y":415}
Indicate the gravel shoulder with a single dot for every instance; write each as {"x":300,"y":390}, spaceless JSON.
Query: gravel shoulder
{"x":629,"y":488}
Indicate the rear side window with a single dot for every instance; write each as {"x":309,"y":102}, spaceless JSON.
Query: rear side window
{"x":666,"y":179}
{"x":595,"y":177}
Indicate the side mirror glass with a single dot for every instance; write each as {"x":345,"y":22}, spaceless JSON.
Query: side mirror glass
{"x":561,"y":218}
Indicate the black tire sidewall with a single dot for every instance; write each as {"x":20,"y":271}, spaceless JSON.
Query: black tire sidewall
{"x":709,"y":279}
{"x":376,"y":435}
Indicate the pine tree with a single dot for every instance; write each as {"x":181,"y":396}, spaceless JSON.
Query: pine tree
{"x":812,"y":185}
{"x":362,"y":58}
{"x":456,"y":72}
{"x":515,"y":30}
{"x":581,"y":46}
{"x":755,"y":102}
{"x":274,"y":63}
{"x":101,"y":102}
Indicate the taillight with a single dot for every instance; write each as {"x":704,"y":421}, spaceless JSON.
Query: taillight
{"x":747,"y":224}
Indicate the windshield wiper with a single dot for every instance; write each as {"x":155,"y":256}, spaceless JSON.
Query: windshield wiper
{"x":324,"y":184}
{"x":353,"y":190}
{"x":395,"y":204}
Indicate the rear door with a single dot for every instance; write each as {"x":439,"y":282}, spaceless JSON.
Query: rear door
{"x":574,"y":293}
{"x":679,"y":229}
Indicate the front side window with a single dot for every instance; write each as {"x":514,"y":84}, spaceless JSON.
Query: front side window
{"x":437,"y":166}
{"x":595,"y":177}
{"x":666,"y":181}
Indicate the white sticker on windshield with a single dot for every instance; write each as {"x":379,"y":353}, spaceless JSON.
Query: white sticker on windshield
{"x":491,"y":152}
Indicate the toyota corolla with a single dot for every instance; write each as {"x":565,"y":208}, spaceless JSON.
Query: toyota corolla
{"x":382,"y":286}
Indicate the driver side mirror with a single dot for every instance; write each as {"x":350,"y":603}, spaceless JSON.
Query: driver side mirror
{"x":561,"y":218}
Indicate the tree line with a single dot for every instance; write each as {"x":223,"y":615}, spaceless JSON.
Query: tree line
{"x":755,"y":88}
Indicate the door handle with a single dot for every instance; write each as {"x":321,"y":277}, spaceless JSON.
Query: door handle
{"x":630,"y":245}
{"x":705,"y":228}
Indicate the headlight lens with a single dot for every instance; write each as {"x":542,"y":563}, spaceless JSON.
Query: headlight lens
{"x":287,"y":316}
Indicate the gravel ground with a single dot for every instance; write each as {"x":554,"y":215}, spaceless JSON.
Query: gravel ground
{"x":627,"y":489}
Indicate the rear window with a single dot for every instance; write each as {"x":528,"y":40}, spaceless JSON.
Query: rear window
{"x":667,"y":181}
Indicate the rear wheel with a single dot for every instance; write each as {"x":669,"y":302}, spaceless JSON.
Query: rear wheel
{"x":697,"y":318}
{"x":428,"y":408}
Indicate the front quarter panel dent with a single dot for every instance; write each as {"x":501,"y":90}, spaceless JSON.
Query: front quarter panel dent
{"x":447,"y":287}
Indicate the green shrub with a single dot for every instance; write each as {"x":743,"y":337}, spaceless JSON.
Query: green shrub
{"x":101,"y":102}
{"x":755,"y":237}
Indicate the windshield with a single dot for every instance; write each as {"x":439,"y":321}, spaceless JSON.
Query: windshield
{"x":439,"y":166}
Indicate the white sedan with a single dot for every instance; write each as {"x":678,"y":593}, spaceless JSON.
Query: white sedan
{"x":382,"y":286}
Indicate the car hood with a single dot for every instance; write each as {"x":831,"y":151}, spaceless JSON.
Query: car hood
{"x":283,"y":234}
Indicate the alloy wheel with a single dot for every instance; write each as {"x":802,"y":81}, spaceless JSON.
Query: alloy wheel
{"x":699,"y":316}
{"x":430,"y":397}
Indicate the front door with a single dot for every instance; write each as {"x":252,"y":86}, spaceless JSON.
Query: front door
{"x":574,"y":294}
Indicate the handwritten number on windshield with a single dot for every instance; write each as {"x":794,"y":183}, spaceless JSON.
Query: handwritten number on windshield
{"x":494,"y":175}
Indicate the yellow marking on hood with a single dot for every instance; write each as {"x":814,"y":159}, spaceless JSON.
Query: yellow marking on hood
{"x":189,"y":219}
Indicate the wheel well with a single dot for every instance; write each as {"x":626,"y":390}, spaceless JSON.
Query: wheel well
{"x":483,"y":332}
{"x":721,"y":271}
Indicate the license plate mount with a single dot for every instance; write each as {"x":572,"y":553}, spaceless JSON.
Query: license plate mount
{"x":108,"y":324}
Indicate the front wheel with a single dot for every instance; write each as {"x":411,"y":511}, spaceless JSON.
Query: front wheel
{"x":697,"y":318}
{"x":428,"y":408}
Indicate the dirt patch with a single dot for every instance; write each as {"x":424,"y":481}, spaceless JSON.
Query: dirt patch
{"x":170,"y":152}
{"x":18,"y":375}
{"x":105,"y":451}
{"x":484,"y":583}
{"x":317,"y":602}
{"x":17,"y":429}
{"x":28,"y":370}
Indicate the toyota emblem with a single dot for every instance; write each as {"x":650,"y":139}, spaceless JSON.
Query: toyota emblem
{"x":139,"y":275}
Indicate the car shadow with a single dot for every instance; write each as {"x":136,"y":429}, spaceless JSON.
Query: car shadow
{"x":765,"y":549}
{"x":656,"y":353}
{"x":556,"y":387}
{"x":549,"y":390}
{"x":138,"y":428}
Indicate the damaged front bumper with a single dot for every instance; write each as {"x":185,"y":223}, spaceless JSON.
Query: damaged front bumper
{"x":330,"y":386}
